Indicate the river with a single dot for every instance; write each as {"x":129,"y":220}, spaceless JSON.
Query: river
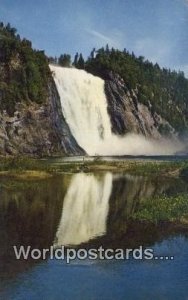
{"x":88,"y":210}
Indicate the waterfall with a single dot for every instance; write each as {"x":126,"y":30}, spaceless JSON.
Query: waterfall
{"x":84,"y":106}
{"x":85,"y":209}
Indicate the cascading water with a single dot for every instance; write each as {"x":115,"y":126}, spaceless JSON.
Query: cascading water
{"x":84,"y":107}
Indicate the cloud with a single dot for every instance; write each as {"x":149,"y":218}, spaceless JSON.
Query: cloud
{"x":102,"y":39}
{"x":100,"y":36}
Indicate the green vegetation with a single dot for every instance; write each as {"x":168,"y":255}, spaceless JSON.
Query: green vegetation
{"x":20,"y":164}
{"x":163,"y":90}
{"x":24,"y":72}
{"x":64,"y":60}
{"x":184,"y":172}
{"x":79,"y":61}
{"x":154,"y":168}
{"x":163,"y":209}
{"x":142,"y":168}
{"x":21,"y":172}
{"x":20,"y":185}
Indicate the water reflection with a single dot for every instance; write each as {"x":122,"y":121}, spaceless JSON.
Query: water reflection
{"x":85,"y":209}
{"x":95,"y":205}
{"x":71,"y":209}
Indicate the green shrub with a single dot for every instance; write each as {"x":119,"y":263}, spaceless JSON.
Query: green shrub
{"x":162,"y":208}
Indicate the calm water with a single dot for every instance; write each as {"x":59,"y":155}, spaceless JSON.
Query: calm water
{"x":91,"y":210}
{"x":62,"y":160}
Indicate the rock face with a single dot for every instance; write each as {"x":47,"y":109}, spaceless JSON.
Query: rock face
{"x":37,"y":129}
{"x":129,"y":115}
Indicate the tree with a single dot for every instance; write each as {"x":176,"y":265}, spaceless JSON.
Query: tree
{"x":163,"y":91}
{"x":76,"y":59}
{"x":52,"y":60}
{"x":81,"y":63}
{"x":64,"y":60}
{"x":92,"y":55}
{"x":10,"y":29}
{"x":107,"y":49}
{"x":29,"y":81}
{"x":26,"y":43}
{"x":141,"y":58}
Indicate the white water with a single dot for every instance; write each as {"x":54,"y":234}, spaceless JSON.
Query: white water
{"x":84,"y":107}
{"x":85,"y":209}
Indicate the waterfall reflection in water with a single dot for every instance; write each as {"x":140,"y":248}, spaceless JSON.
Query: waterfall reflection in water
{"x":85,"y":209}
{"x":95,"y":204}
{"x":72,"y":209}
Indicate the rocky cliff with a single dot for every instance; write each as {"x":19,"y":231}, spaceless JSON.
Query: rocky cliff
{"x":31,"y":119}
{"x":41,"y":129}
{"x":148,"y":100}
{"x":37,"y":129}
{"x":128,"y":114}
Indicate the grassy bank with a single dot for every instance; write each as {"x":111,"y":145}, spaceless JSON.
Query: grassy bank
{"x":23,"y":171}
{"x":28,"y":166}
{"x":163,"y":209}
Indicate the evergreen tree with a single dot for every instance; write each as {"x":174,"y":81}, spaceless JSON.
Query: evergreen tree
{"x":163,"y":91}
{"x":92,"y":55}
{"x":75,"y":63}
{"x":107,"y":49}
{"x":81,"y":63}
{"x":52,"y":60}
{"x":29,"y":80}
{"x":64,"y":60}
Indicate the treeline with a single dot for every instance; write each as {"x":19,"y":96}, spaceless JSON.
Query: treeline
{"x":162,"y":90}
{"x":24,"y":76}
{"x":64,"y":60}
{"x":24,"y":72}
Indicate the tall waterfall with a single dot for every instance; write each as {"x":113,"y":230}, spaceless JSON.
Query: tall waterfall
{"x":84,"y":107}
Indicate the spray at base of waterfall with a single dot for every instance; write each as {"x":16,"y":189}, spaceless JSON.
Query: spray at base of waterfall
{"x":84,"y":106}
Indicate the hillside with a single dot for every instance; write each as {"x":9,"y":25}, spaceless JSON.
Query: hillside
{"x":24,"y":72}
{"x":31,"y":119}
{"x":142,"y":98}
{"x":163,"y":91}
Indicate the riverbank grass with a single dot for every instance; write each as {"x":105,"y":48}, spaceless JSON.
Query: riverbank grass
{"x":163,"y":209}
{"x":29,"y":167}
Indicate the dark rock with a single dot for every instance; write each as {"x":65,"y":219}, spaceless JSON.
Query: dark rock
{"x":37,"y":130}
{"x":127,"y":114}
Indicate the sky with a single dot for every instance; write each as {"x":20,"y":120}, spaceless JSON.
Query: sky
{"x":158,"y":29}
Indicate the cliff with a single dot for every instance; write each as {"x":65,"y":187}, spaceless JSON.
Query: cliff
{"x":158,"y":94}
{"x":36,"y":129}
{"x":128,"y":114}
{"x":142,"y":98}
{"x":31,"y":119}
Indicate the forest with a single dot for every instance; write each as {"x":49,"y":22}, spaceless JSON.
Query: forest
{"x":25,"y":73}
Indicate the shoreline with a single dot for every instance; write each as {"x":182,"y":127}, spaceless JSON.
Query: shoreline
{"x":19,"y":173}
{"x":30,"y":167}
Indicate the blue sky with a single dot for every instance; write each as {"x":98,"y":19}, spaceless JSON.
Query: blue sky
{"x":156,"y":29}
